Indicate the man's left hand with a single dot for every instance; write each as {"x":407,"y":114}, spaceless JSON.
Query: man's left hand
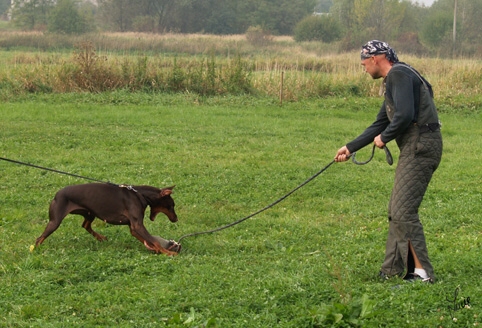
{"x":378,"y":141}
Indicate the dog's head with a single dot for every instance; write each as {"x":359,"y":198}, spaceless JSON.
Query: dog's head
{"x":163,"y":203}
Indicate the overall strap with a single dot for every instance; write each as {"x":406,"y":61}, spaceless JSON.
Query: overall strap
{"x":424,"y":82}
{"x":426,"y":111}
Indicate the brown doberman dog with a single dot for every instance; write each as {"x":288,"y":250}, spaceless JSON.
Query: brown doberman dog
{"x":114,"y":204}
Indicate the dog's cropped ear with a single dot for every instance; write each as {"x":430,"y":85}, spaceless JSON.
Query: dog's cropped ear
{"x":166,"y":191}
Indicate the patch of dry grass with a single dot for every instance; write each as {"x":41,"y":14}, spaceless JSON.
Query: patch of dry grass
{"x":35,"y":62}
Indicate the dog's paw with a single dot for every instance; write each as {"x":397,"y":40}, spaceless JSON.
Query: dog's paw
{"x":169,"y":247}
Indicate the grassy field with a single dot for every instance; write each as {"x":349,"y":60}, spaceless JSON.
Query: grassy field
{"x":311,"y":261}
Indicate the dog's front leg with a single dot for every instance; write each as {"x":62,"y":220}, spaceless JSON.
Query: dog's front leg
{"x":141,"y":233}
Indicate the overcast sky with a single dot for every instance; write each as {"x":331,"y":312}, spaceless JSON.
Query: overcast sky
{"x":427,"y":3}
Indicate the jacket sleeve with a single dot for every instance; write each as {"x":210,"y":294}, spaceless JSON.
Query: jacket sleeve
{"x":371,"y":132}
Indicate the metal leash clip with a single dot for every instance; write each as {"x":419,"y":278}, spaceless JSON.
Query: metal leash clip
{"x":128,"y":187}
{"x":174,"y":246}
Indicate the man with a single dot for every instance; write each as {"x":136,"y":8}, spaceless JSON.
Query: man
{"x":409,"y":116}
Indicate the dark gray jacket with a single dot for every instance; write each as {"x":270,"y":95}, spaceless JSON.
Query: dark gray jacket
{"x":408,"y":101}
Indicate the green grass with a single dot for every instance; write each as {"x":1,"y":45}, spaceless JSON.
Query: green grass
{"x":311,"y":261}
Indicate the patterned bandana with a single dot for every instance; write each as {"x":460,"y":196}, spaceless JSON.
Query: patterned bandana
{"x":375,"y":47}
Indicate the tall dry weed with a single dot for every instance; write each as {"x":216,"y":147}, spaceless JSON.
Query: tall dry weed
{"x":212,"y":65}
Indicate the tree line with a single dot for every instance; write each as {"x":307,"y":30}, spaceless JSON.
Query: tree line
{"x":417,"y":28}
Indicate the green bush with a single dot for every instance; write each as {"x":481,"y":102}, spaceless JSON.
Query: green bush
{"x":323,"y":28}
{"x":65,"y":18}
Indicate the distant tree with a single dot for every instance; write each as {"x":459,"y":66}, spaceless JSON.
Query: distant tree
{"x":281,"y":16}
{"x":470,"y":30}
{"x":234,"y":16}
{"x":437,"y":27}
{"x":413,"y":19}
{"x":369,"y":19}
{"x":128,"y":15}
{"x":380,"y":19}
{"x":117,"y":15}
{"x":437,"y":30}
{"x":325,"y":28}
{"x":223,"y":18}
{"x":344,"y":11}
{"x":31,"y":14}
{"x":144,"y":23}
{"x":193,"y":17}
{"x":162,"y":11}
{"x":66,"y":18}
{"x":323,"y":6}
{"x":207,"y":16}
{"x":88,"y":11}
{"x":4,"y":6}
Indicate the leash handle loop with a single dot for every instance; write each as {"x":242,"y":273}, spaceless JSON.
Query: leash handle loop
{"x":388,"y":156}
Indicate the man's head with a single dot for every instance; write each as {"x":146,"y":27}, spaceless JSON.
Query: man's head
{"x":377,"y":57}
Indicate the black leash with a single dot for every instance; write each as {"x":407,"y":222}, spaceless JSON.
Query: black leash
{"x":387,"y":154}
{"x":389,"y":159}
{"x":261,"y":210}
{"x":52,"y":170}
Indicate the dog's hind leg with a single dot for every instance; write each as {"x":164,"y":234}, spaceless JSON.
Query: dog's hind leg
{"x":87,"y":225}
{"x":55,"y":218}
{"x":51,"y":227}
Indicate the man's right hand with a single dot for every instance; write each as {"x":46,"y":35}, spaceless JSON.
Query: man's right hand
{"x":342,"y":155}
